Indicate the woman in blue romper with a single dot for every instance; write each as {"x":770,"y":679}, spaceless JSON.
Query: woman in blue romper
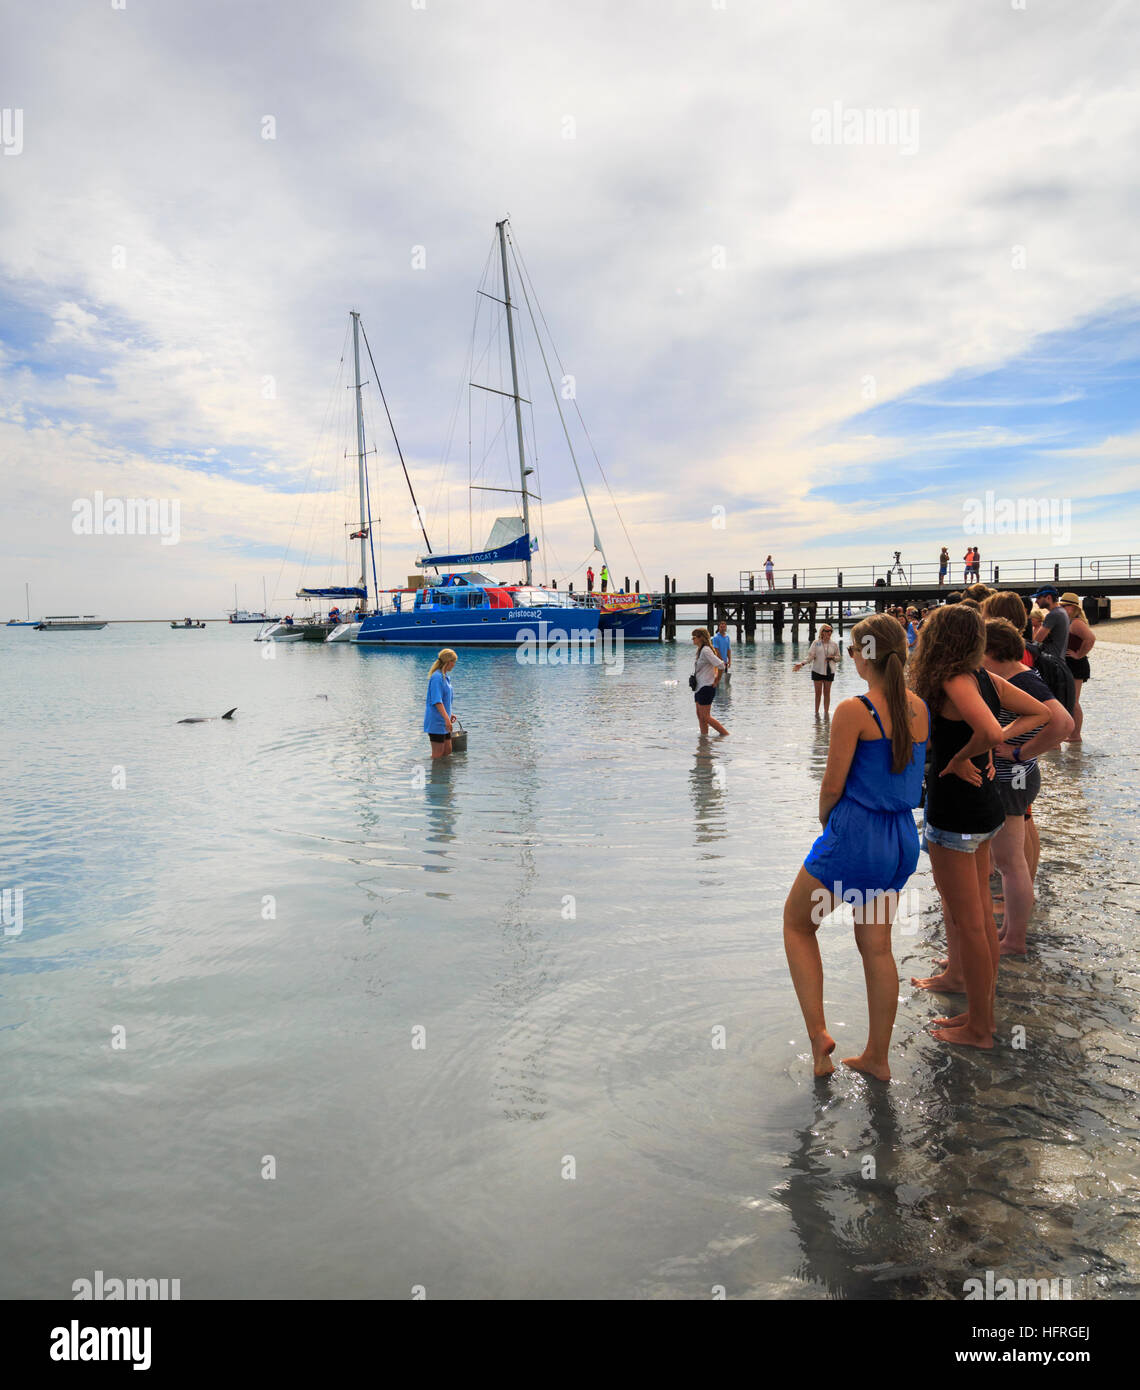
{"x":869,"y":846}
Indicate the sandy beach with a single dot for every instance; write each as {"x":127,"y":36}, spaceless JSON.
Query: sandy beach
{"x":1124,"y":626}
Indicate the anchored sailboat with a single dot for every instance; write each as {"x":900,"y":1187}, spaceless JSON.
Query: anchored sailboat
{"x":466,"y":606}
{"x":29,"y":621}
{"x":341,"y":624}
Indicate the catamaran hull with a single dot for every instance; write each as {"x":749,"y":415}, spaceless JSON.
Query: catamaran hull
{"x":49,"y":626}
{"x":278,"y":632}
{"x":343,"y":632}
{"x":480,"y":629}
{"x":635,"y":625}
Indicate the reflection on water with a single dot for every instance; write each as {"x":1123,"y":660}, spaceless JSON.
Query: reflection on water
{"x":517,"y":1022}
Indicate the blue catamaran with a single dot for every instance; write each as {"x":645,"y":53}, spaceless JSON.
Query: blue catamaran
{"x":469,"y":608}
{"x":465,"y":606}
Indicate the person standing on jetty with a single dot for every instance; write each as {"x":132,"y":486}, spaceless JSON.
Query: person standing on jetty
{"x":963,"y":806}
{"x":707,"y":671}
{"x":723,"y":645}
{"x":869,"y":845}
{"x":943,"y":566}
{"x":824,"y":657}
{"x":437,"y":706}
{"x":770,"y":572}
{"x":1080,"y":642}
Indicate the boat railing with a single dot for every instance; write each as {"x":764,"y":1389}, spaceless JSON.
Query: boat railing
{"x":634,"y":599}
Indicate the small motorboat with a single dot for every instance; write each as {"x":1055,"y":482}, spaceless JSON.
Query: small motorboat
{"x":187,"y":624}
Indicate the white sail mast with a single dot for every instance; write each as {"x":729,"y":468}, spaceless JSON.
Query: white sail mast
{"x":360,"y":458}
{"x":502,"y":226}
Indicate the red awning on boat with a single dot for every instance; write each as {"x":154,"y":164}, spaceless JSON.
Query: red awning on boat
{"x":500,"y":598}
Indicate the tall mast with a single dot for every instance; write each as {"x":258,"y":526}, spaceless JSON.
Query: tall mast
{"x":502,"y":226}
{"x":28,"y":601}
{"x":360,"y":457}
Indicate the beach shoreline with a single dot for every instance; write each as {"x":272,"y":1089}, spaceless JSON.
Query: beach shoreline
{"x":1124,"y":625}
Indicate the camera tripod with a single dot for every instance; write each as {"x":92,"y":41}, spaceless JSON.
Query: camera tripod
{"x":897,"y":568}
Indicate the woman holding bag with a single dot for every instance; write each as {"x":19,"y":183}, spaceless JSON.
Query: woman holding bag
{"x":707,"y":671}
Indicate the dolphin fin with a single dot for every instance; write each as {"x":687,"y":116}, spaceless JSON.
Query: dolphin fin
{"x":229,"y":714}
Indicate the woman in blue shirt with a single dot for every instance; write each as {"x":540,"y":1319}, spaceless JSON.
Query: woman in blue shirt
{"x":437,"y":706}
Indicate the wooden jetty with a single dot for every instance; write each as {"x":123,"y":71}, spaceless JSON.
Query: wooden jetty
{"x":806,"y":597}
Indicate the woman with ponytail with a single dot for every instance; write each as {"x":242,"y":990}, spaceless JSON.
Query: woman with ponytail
{"x":964,"y":809}
{"x":437,"y":706}
{"x":869,"y":845}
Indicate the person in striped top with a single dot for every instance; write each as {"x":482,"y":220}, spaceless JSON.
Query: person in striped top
{"x":1018,"y":777}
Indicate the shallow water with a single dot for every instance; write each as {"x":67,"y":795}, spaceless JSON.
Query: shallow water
{"x":569,"y":911}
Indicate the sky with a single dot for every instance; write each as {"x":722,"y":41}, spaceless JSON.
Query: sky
{"x":823,"y":275}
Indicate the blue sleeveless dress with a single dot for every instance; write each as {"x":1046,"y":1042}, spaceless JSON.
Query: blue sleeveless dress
{"x":870,"y":842}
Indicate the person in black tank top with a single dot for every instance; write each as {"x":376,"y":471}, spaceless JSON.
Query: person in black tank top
{"x":963,"y":807}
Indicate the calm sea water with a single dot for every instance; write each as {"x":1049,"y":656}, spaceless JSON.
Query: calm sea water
{"x":270,"y":913}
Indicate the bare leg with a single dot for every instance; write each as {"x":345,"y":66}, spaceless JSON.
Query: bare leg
{"x":1017,"y":884}
{"x":873,"y":938}
{"x":809,"y":900}
{"x":826,"y":697}
{"x":951,"y":980}
{"x":818,"y":694}
{"x":703,"y":719}
{"x":1032,"y":845}
{"x":963,"y":881}
{"x":1078,"y":715}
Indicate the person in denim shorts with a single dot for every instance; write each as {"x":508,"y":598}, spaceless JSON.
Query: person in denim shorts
{"x":963,"y":806}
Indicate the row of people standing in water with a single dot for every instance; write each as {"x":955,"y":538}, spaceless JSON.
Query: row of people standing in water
{"x":955,"y":723}
{"x":1056,"y":625}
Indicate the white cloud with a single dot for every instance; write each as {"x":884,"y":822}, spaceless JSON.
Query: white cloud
{"x":179,"y":262}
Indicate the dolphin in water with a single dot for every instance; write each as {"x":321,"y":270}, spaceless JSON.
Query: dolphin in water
{"x":229,"y":714}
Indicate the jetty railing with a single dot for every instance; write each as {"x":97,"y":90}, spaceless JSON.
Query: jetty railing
{"x":1044,"y":570}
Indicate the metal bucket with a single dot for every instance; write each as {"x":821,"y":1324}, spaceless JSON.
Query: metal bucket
{"x":458,"y":736}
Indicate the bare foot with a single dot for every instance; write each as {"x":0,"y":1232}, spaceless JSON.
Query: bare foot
{"x":965,"y":1037}
{"x":879,"y":1070}
{"x":942,"y":984}
{"x":822,"y":1046}
{"x":956,"y":1022}
{"x":942,"y":960}
{"x":1011,"y":948}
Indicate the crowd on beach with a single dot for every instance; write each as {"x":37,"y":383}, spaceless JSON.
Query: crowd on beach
{"x":963,"y":698}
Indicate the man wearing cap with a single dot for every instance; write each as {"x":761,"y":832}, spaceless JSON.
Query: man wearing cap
{"x":1055,"y":625}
